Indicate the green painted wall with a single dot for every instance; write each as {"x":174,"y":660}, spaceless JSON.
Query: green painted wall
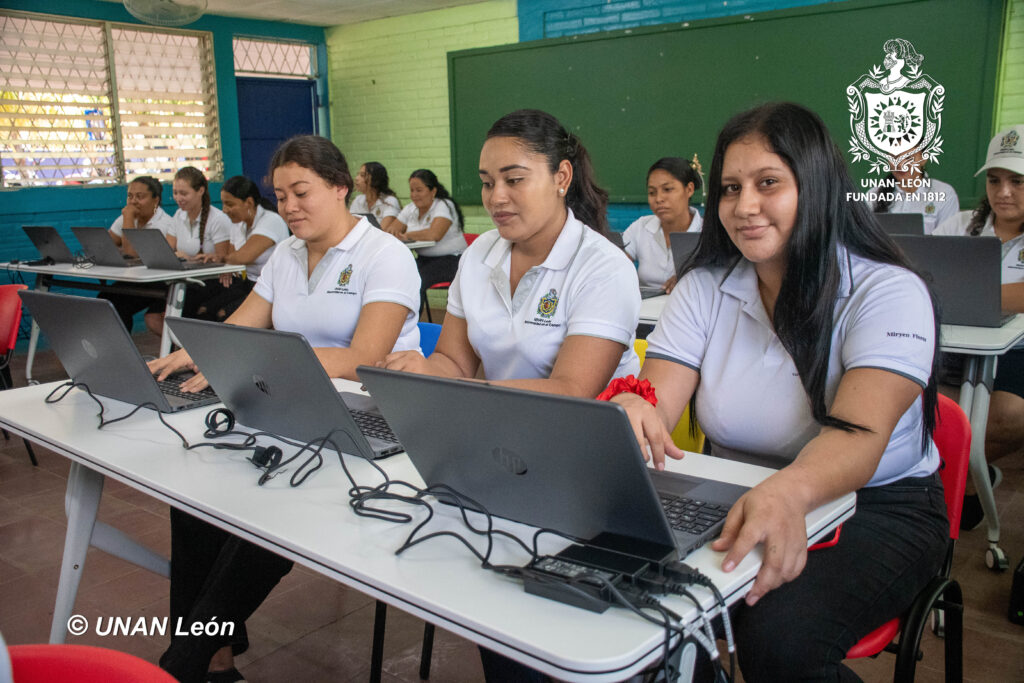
{"x":388,"y":81}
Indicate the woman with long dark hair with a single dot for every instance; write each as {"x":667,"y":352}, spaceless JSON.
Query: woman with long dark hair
{"x":808,"y":344}
{"x":377,"y":197}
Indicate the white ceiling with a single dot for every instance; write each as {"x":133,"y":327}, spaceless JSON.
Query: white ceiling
{"x":324,"y":12}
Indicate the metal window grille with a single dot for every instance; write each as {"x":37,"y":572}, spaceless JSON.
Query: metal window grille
{"x":273,"y":59}
{"x":60,"y":79}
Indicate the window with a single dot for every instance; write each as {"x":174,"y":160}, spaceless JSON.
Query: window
{"x":273,"y":59}
{"x":59,"y":124}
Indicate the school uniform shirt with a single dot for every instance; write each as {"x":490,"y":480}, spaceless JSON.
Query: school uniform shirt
{"x":936,"y":201}
{"x":452,"y":242}
{"x":365,"y":267}
{"x":644,"y":241}
{"x":586,"y":286}
{"x":265,"y":223}
{"x":750,"y":401}
{"x":159,"y":221}
{"x":1013,"y":249}
{"x":186,"y":232}
{"x":386,"y":205}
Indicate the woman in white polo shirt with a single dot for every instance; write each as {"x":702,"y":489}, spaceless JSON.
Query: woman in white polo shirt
{"x":808,"y":345}
{"x":671,"y":182}
{"x":352,"y":291}
{"x":377,"y":197}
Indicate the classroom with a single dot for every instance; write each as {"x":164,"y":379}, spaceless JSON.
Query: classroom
{"x":426,"y":89}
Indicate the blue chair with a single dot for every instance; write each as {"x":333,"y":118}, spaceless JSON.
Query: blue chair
{"x":429,"y":332}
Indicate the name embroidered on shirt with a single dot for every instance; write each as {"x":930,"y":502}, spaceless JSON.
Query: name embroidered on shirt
{"x":907,"y":335}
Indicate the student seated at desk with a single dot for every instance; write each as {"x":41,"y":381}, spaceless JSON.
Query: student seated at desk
{"x":1000,"y":213}
{"x":256,"y":228}
{"x":377,"y":196}
{"x":917,"y":192}
{"x":142,"y":210}
{"x":782,"y":332}
{"x":352,"y":291}
{"x":671,"y":182}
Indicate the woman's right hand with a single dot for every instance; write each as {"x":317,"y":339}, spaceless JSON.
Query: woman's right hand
{"x":128,"y":216}
{"x":394,"y":228}
{"x":406,"y":361}
{"x":171,"y":363}
{"x":655,"y":441}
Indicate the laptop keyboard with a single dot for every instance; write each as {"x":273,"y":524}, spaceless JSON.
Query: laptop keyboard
{"x":172,"y":387}
{"x":692,"y":516}
{"x":371,"y":424}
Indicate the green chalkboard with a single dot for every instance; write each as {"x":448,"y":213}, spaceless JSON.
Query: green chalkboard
{"x":636,"y":95}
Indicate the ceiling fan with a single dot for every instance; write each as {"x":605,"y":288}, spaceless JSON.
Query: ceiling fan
{"x":166,"y":12}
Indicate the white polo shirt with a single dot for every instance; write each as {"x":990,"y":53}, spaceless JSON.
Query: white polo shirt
{"x":935,"y":200}
{"x":750,"y":401}
{"x":586,"y":286}
{"x":452,"y":242}
{"x":268,"y":224}
{"x":367,"y":266}
{"x":386,"y":205}
{"x":159,"y":221}
{"x":1012,"y":270}
{"x":186,"y":232}
{"x":644,"y":241}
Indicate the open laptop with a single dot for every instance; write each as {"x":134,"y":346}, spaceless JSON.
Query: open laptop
{"x":95,"y":349}
{"x":683,"y":245}
{"x":48,"y":242}
{"x":156,"y":252}
{"x":272,"y":381}
{"x":965,"y":274}
{"x":551,"y":461}
{"x":901,"y":223}
{"x":99,"y":247}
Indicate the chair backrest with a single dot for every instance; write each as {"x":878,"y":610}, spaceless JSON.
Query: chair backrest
{"x":82,"y":664}
{"x":470,"y":237}
{"x":953,"y":439}
{"x":10,"y":316}
{"x":429,"y":332}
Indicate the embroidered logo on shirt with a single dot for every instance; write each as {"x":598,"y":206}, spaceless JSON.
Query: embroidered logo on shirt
{"x":345,"y":276}
{"x":930,"y":209}
{"x":1020,"y":256}
{"x":548,"y":304}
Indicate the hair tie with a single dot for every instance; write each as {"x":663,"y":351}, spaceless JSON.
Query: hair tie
{"x":629,"y":385}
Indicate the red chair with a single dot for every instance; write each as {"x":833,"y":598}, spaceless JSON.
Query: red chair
{"x":953,"y":439}
{"x":82,"y":664}
{"x":10,"y":322}
{"x":469,"y":237}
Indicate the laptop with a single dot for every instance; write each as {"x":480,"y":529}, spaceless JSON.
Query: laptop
{"x":965,"y":274}
{"x":156,"y":251}
{"x":901,"y":223}
{"x":550,"y":461}
{"x":683,"y":245}
{"x":48,"y":242}
{"x":95,"y":349}
{"x":99,"y":247}
{"x":272,"y":381}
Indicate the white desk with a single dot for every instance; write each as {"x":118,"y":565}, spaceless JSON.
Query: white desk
{"x":176,"y":280}
{"x":419,"y":244}
{"x":438,"y":581}
{"x":650,"y":309}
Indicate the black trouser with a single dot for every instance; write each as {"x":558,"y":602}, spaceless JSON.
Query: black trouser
{"x":434,"y":269}
{"x":127,"y":305}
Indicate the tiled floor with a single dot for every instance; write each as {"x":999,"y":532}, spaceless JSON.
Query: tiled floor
{"x":312,"y":628}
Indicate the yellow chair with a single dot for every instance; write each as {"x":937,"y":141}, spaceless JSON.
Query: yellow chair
{"x":681,"y":434}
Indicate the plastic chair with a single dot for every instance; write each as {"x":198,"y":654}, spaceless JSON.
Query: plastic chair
{"x":10,"y":322}
{"x":429,"y":332}
{"x":469,"y":237}
{"x":681,"y":435}
{"x":82,"y":664}
{"x":953,"y":439}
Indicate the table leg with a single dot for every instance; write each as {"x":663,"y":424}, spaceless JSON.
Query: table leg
{"x":85,"y":487}
{"x":175,"y":302}
{"x":42,"y":285}
{"x":119,"y":544}
{"x":380,"y":618}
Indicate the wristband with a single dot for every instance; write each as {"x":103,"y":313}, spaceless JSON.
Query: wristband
{"x":630,"y":385}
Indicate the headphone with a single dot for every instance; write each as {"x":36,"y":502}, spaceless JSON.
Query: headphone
{"x":221,"y":421}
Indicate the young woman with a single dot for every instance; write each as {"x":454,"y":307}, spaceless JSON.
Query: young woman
{"x":781,"y":331}
{"x":544,"y":302}
{"x":142,"y":210}
{"x":433,"y":215}
{"x":200,"y":228}
{"x":352,"y":291}
{"x":917,"y":192}
{"x":671,"y":182}
{"x":1001,"y":213}
{"x":377,"y":196}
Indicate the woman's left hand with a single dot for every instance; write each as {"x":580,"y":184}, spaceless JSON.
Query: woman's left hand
{"x":772,"y":515}
{"x":225,"y":279}
{"x":208,"y":258}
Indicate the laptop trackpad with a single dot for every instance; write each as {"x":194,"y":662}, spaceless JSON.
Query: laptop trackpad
{"x":696,"y":488}
{"x":359,"y":402}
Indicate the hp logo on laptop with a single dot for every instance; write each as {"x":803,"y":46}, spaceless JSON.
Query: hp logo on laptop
{"x":509,"y":461}
{"x":261,"y":384}
{"x":90,"y":349}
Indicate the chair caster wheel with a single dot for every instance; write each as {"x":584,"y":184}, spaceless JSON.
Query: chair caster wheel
{"x":995,"y":559}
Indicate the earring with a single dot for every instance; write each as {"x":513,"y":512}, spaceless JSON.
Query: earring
{"x":561,"y":190}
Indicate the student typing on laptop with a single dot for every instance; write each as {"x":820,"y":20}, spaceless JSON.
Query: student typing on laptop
{"x":808,"y":343}
{"x":352,"y":291}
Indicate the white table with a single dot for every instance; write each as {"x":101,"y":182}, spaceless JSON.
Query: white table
{"x":650,"y":309}
{"x":438,"y":581}
{"x":419,"y":244}
{"x":176,"y":279}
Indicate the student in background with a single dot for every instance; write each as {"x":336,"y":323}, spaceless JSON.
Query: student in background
{"x":431,"y":215}
{"x":351,"y":290}
{"x":918,"y":192}
{"x":671,"y":182}
{"x":1001,"y":213}
{"x":377,"y":196}
{"x":778,"y":331}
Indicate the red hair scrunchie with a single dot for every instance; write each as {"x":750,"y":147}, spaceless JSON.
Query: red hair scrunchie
{"x":629,"y":385}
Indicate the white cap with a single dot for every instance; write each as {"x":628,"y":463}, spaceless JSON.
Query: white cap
{"x":1006,"y":150}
